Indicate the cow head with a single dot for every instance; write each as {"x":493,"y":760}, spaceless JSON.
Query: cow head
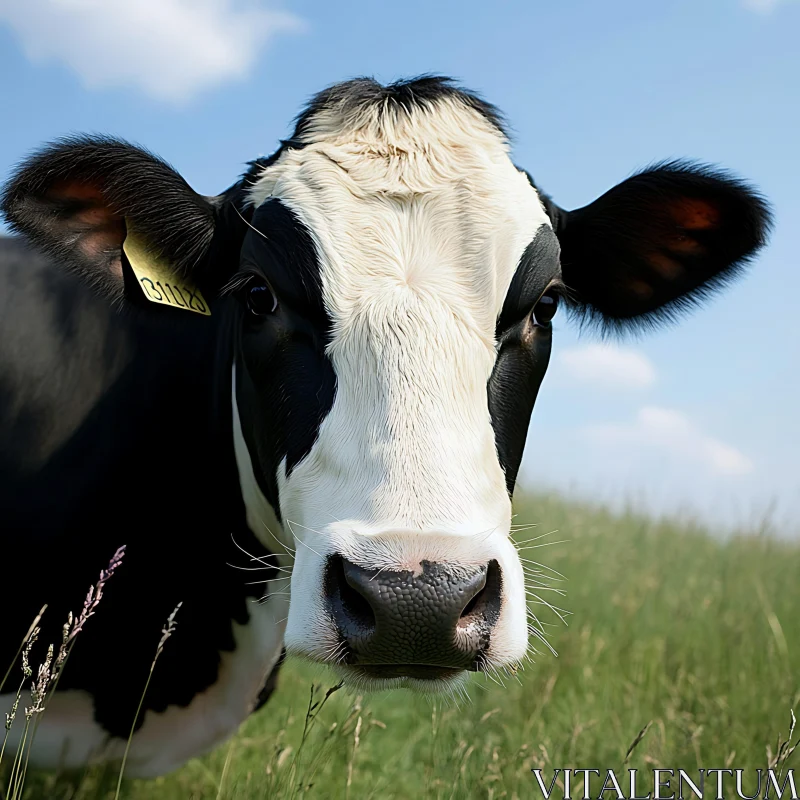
{"x":390,"y":277}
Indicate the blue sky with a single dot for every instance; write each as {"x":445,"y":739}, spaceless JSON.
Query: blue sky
{"x":702,"y":416}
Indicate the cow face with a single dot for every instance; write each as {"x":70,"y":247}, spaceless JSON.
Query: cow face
{"x":399,"y":426}
{"x":390,"y":278}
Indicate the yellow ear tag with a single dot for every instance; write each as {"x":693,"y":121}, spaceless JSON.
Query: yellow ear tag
{"x":158,"y":280}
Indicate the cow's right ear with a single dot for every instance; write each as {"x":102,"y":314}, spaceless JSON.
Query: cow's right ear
{"x":77,"y":199}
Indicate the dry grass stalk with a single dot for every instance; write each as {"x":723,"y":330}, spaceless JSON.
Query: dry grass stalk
{"x":48,"y":674}
{"x":356,"y":740}
{"x":34,"y":625}
{"x":312,"y":713}
{"x":96,"y":593}
{"x":38,"y":694}
{"x":783,"y":750}
{"x":635,"y":743}
{"x":166,"y":632}
{"x":27,"y":673}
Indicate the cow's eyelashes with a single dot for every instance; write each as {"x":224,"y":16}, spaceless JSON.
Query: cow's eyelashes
{"x":545,"y":309}
{"x":260,"y":298}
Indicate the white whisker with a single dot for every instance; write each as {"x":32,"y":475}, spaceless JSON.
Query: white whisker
{"x":285,"y":546}
{"x":544,"y":544}
{"x":299,"y":540}
{"x":259,"y":559}
{"x":535,"y":538}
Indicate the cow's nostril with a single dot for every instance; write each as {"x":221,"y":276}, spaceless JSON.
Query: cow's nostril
{"x":351,"y":611}
{"x":485,"y":604}
{"x":356,"y":605}
{"x":468,"y":609}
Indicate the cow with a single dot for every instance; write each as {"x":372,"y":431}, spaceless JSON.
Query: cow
{"x":316,"y":384}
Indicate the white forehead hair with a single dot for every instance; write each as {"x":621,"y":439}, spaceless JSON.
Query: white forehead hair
{"x":424,"y":197}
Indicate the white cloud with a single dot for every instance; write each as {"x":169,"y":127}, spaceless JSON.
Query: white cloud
{"x":607,"y":367}
{"x":170,"y":49}
{"x":673,"y":433}
{"x":762,"y":6}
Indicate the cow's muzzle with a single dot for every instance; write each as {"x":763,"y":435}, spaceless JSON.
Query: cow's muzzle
{"x":427,"y":624}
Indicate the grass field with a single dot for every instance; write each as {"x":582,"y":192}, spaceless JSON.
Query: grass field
{"x":669,"y":626}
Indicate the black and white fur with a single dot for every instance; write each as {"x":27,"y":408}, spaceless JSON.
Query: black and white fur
{"x":381,"y":289}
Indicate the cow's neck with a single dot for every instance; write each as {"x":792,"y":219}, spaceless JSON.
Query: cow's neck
{"x":153,"y":468}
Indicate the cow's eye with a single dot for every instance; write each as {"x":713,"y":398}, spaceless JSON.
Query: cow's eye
{"x":261,"y":299}
{"x":545,"y":309}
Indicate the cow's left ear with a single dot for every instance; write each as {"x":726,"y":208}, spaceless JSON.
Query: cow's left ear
{"x":77,"y":199}
{"x":658,"y":243}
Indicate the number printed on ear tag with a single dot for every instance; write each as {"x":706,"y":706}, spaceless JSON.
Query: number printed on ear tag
{"x":158,"y":280}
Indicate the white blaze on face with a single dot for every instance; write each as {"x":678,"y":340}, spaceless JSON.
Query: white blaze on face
{"x":419,"y":222}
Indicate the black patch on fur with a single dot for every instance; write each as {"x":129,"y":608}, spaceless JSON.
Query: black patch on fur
{"x":523,"y":353}
{"x":281,"y":248}
{"x":537,"y":267}
{"x":522,"y":360}
{"x":286,"y":384}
